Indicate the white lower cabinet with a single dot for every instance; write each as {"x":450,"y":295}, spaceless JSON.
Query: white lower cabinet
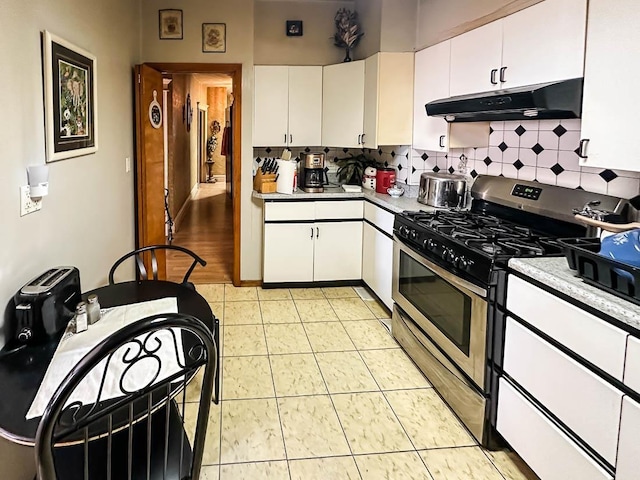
{"x":312,"y":241}
{"x":337,"y":251}
{"x":584,"y":402}
{"x":545,"y":448}
{"x":288,"y":252}
{"x":628,"y":466}
{"x":377,"y":263}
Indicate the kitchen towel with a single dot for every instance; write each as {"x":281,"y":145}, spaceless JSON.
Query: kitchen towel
{"x":74,"y":346}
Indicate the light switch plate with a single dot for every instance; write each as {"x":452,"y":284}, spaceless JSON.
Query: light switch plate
{"x":27,"y":204}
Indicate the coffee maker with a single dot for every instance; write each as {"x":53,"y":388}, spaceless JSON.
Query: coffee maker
{"x":312,"y":176}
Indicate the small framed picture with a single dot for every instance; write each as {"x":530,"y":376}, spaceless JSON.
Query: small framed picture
{"x":294,"y":28}
{"x":71,"y":100}
{"x":214,"y":37}
{"x":170,"y":24}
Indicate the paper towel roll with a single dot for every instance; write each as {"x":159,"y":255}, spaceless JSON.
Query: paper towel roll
{"x":286,"y":176}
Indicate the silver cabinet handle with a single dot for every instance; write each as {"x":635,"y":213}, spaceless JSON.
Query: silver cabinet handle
{"x":285,"y":138}
{"x":363,"y":135}
{"x":311,"y":233}
{"x":317,"y":232}
{"x":503,"y":78}
{"x":582,"y":149}
{"x":359,"y":137}
{"x":493,"y":76}
{"x":441,"y":142}
{"x":290,"y":138}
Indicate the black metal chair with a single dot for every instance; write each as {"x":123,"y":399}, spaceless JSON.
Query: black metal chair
{"x":142,"y":270}
{"x":143,"y":433}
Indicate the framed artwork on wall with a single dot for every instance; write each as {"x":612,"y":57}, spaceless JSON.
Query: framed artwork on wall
{"x":170,"y":24}
{"x":70,"y":95}
{"x":214,"y":37}
{"x":294,"y":28}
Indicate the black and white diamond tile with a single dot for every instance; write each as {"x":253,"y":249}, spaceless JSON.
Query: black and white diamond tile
{"x":414,"y":177}
{"x":529,"y":139}
{"x":569,"y":160}
{"x":509,"y":171}
{"x":569,"y":141}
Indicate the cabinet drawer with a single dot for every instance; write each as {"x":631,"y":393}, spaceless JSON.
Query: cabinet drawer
{"x":592,"y":338}
{"x":289,"y":211}
{"x":351,"y":209}
{"x":580,"y":399}
{"x":632,"y":364}
{"x":540,"y":443}
{"x":379,"y":217}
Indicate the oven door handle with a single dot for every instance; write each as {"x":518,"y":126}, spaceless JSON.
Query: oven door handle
{"x":441,"y":272}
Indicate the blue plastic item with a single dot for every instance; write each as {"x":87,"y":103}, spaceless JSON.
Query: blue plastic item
{"x":623,"y":247}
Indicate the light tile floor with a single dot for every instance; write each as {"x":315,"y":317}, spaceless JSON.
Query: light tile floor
{"x":314,"y":387}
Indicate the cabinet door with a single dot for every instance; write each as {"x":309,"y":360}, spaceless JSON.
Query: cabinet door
{"x":377,"y":263}
{"x":371,"y":99}
{"x":305,"y":106}
{"x":288,"y":252}
{"x":611,"y":96}
{"x":473,"y":56}
{"x":544,"y":43}
{"x":628,"y":445}
{"x":270,"y":106}
{"x":431,"y":82}
{"x":632,"y":364}
{"x":395,"y":99}
{"x":338,"y":251}
{"x":342,"y":104}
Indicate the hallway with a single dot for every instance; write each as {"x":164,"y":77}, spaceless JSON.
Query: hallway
{"x":207,"y":230}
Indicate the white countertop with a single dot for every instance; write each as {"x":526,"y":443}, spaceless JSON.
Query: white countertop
{"x":555,"y":273}
{"x":408,"y":201}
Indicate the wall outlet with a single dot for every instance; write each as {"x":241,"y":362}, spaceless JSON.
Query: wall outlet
{"x":27,"y":204}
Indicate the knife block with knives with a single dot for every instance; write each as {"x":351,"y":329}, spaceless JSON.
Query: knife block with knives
{"x":265,"y":179}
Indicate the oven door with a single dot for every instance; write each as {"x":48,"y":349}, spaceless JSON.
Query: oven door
{"x":451,"y":311}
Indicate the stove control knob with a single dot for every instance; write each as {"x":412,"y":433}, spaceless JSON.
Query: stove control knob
{"x":403,"y":231}
{"x":451,"y":256}
{"x":445,"y":253}
{"x":432,"y":245}
{"x":413,"y":234}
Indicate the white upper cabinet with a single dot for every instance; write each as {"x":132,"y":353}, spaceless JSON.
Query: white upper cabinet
{"x":476,"y":57}
{"x":343,"y":104}
{"x":542,"y":43}
{"x":388,"y":95}
{"x":271,"y":106}
{"x":305,"y":106}
{"x":431,"y":82}
{"x":287,"y":106}
{"x":611,"y":97}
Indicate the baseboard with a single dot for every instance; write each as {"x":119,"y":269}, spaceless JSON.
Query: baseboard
{"x":185,"y":206}
{"x":250,"y":283}
{"x":336,"y":283}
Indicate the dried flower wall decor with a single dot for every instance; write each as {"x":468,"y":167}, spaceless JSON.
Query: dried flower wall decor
{"x":348,"y":32}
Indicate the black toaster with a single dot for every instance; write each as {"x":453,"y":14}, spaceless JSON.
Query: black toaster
{"x":44,"y":306}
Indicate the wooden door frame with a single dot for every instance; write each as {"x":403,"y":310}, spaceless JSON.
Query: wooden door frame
{"x":234,"y":70}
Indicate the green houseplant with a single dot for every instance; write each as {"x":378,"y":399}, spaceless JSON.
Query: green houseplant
{"x":351,"y":168}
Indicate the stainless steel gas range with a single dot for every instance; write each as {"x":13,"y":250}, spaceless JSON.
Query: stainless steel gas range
{"x":449,"y":275}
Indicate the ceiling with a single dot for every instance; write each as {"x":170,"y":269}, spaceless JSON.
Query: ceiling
{"x":214,"y":79}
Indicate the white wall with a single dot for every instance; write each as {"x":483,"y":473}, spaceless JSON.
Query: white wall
{"x":88,"y":218}
{"x":238,"y":15}
{"x":314,"y":47}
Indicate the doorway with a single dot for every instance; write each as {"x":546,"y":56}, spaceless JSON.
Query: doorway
{"x":208,"y":220}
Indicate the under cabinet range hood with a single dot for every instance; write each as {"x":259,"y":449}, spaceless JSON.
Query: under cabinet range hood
{"x":553,"y":100}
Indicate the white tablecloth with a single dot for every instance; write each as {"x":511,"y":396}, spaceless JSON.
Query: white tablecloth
{"x":73,"y":347}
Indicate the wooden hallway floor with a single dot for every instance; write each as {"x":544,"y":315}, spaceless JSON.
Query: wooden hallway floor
{"x":207,"y":230}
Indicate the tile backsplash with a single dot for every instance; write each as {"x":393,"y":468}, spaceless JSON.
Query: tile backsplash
{"x":542,"y":150}
{"x":392,"y":156}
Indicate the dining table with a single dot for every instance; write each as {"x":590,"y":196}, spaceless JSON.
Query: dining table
{"x":23,"y":370}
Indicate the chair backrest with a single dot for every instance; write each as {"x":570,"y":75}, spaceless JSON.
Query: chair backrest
{"x":142,"y":270}
{"x":148,"y":428}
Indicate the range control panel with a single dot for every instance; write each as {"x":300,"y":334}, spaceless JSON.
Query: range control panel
{"x":525,"y":191}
